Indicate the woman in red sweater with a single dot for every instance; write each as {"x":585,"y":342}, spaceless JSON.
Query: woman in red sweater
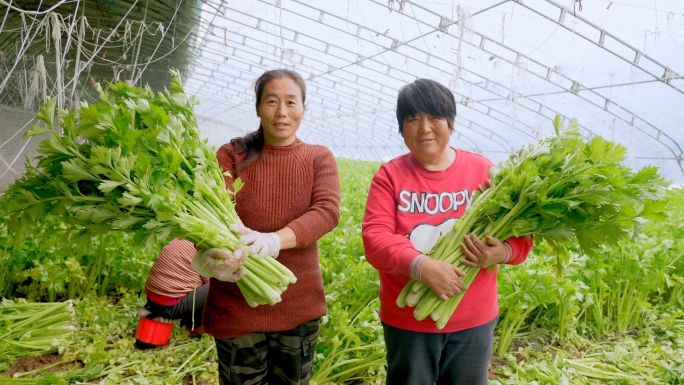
{"x":290,"y":199}
{"x":413,"y":200}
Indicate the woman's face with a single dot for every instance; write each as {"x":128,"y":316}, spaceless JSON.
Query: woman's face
{"x":427,"y":137}
{"x":281,"y":111}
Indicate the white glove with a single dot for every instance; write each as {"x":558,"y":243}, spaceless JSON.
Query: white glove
{"x":221,"y":264}
{"x":144,"y":312}
{"x":261,"y":245}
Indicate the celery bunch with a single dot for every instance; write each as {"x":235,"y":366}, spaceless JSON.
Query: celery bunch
{"x":558,"y":189}
{"x":28,"y":328}
{"x":134,"y":161}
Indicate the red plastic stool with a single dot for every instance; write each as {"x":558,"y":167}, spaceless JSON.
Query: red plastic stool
{"x":153,"y":332}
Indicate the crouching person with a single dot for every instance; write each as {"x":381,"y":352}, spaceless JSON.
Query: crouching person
{"x":171,"y":293}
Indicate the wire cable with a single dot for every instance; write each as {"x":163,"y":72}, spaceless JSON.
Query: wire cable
{"x":16,"y":133}
{"x":16,"y":157}
{"x":9,"y":5}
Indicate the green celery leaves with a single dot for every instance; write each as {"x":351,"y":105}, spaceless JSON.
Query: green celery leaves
{"x":134,"y":161}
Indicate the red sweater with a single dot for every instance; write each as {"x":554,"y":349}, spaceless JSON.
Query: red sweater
{"x":408,"y":208}
{"x":294,"y":186}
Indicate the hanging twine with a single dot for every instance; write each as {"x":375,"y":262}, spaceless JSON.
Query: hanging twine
{"x":80,"y":33}
{"x":127,"y":39}
{"x":36,"y":92}
{"x":574,"y":11}
{"x":56,"y":34}
{"x":390,"y":5}
{"x":465,"y":28}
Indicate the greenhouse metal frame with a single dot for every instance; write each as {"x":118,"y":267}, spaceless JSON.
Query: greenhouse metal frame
{"x":513,"y":65}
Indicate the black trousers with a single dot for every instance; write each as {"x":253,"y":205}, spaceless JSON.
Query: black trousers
{"x":183,"y":309}
{"x":458,"y":358}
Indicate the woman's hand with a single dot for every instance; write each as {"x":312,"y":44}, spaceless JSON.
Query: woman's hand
{"x":221,"y":264}
{"x":258,"y":244}
{"x":481,"y":254}
{"x":443,"y":278}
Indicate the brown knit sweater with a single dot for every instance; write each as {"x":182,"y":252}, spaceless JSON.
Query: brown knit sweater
{"x":294,"y":186}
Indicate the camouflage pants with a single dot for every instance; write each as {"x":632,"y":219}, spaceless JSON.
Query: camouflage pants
{"x":269,"y":358}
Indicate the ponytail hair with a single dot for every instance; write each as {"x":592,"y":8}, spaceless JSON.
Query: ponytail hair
{"x":252,"y":143}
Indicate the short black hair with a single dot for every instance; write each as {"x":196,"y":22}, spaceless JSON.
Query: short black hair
{"x":428,"y":96}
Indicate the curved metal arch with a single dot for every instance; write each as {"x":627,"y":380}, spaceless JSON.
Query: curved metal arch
{"x":443,"y":29}
{"x":667,"y":72}
{"x":330,"y":70}
{"x":375,"y":93}
{"x":339,"y":99}
{"x":495,"y":137}
{"x":483,"y":39}
{"x":542,"y":106}
{"x":576,"y":92}
{"x":471,"y":123}
{"x":487,"y":106}
{"x":385,"y":74}
{"x":462,"y":137}
{"x":507,"y":149}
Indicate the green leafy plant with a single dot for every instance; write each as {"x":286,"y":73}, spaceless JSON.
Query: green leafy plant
{"x":134,"y":161}
{"x":101,"y":348}
{"x":350,"y":345}
{"x":522,"y":293}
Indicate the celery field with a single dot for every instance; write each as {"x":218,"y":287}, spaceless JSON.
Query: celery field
{"x":614,"y":318}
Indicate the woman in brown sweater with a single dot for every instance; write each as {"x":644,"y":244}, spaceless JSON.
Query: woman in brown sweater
{"x":290,"y":199}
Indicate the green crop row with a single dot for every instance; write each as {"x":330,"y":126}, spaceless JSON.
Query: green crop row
{"x":616,"y":318}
